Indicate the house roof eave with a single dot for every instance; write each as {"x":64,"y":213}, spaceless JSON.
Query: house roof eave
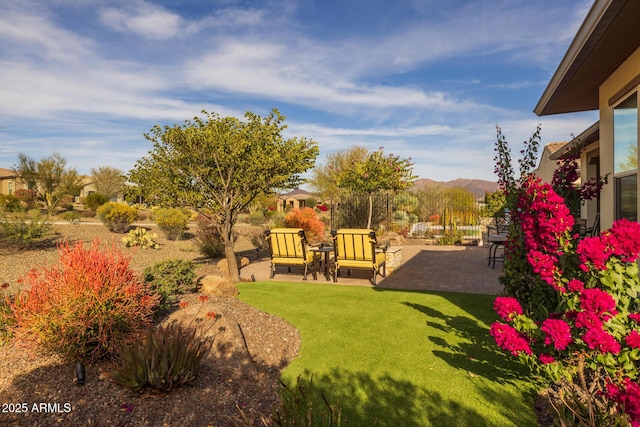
{"x":588,"y":136}
{"x":606,"y":38}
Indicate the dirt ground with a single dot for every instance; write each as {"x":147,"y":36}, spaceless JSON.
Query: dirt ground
{"x":240,"y":375}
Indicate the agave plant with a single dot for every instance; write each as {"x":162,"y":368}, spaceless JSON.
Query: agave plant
{"x":163,"y":358}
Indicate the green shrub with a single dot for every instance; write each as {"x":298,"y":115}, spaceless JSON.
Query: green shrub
{"x":24,"y":228}
{"x":170,"y":278}
{"x":28,"y":198}
{"x":9,"y":203}
{"x":85,"y":306}
{"x":71,"y":216}
{"x":163,"y":358}
{"x":450,"y":237}
{"x":117,"y":217}
{"x":140,"y":237}
{"x":257,"y":218}
{"x":296,"y":407}
{"x":94,"y":200}
{"x":172,"y":222}
{"x":209,"y":240}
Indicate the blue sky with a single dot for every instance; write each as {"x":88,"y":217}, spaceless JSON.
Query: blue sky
{"x":426,"y":79}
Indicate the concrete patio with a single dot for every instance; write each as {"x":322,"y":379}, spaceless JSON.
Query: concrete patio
{"x":423,"y":267}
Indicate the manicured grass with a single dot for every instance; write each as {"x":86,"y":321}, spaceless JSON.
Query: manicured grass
{"x":399,"y":358}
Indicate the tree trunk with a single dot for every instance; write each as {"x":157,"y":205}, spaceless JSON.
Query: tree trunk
{"x":229,"y":253}
{"x":232,"y":262}
{"x":370,"y":210}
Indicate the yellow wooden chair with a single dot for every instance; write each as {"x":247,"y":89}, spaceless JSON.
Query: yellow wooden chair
{"x":357,"y":249}
{"x":289,"y":247}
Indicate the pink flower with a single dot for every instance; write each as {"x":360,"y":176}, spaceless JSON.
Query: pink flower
{"x":558,"y":333}
{"x":586,"y":319}
{"x":546,"y":359}
{"x":509,"y":339}
{"x":507,"y":307}
{"x":597,"y":301}
{"x":597,"y":339}
{"x":629,"y":398}
{"x":575,"y":285}
{"x":633,"y":339}
{"x":624,"y":239}
{"x":635,"y":317}
{"x":592,"y":252}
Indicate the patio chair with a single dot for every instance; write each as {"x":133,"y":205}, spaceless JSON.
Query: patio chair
{"x":357,"y":249}
{"x":288,"y":247}
{"x":497,"y":236}
{"x":592,"y":231}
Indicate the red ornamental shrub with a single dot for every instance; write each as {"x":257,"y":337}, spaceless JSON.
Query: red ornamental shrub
{"x":592,"y":332}
{"x":83,"y":307}
{"x":306,"y":219}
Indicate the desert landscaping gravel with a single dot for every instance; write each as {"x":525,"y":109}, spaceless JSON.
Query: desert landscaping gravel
{"x":241,"y":375}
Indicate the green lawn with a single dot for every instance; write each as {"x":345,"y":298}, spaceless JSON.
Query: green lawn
{"x":399,"y":358}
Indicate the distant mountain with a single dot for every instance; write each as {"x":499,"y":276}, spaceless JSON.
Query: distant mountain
{"x":476,"y":186}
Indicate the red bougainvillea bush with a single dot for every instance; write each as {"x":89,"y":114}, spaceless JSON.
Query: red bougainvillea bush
{"x":577,"y":320}
{"x":307,"y":219}
{"x":84,"y":306}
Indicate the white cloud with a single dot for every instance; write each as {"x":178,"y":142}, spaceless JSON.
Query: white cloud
{"x":144,"y":19}
{"x":23,"y":32}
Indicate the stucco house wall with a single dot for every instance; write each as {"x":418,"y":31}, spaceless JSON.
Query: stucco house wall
{"x":616,"y":88}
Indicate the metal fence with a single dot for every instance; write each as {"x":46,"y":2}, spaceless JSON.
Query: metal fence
{"x":422,"y":215}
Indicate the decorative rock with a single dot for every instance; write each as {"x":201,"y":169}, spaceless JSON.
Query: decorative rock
{"x":393,"y":238}
{"x":223,"y":266}
{"x":216,"y":285}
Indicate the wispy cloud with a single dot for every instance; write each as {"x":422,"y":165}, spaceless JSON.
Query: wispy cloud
{"x":91,"y":75}
{"x":143,"y":19}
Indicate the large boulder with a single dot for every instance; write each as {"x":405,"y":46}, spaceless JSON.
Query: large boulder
{"x":217,"y":285}
{"x":223,"y":266}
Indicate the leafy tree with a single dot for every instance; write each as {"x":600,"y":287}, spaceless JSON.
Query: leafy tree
{"x":377,"y":172}
{"x":325,"y":177}
{"x":108,"y":180}
{"x":218,"y":165}
{"x":50,"y":177}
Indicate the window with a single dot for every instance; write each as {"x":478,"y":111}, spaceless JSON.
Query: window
{"x":10,"y":188}
{"x":625,"y":156}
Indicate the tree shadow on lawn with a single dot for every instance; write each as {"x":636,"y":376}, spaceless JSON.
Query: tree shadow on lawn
{"x":384,"y":401}
{"x":477,"y":353}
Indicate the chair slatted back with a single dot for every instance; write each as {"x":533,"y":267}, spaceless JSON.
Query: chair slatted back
{"x":354,"y":244}
{"x":287,"y":242}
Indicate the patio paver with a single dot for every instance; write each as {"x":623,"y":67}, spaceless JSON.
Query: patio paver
{"x":424,"y":267}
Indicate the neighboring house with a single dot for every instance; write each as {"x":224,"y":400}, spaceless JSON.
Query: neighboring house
{"x":547,"y":165}
{"x":601,"y":71}
{"x":294,"y":199}
{"x":10,"y":181}
{"x":87,"y":186}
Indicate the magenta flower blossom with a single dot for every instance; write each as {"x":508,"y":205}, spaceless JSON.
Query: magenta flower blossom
{"x":629,"y":397}
{"x":598,"y":301}
{"x":597,"y":339}
{"x":633,"y":339}
{"x":558,"y":333}
{"x":546,"y":359}
{"x":575,"y":285}
{"x":592,"y":252}
{"x":586,"y":319}
{"x":507,"y":307}
{"x":509,"y":339}
{"x":624,"y":240}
